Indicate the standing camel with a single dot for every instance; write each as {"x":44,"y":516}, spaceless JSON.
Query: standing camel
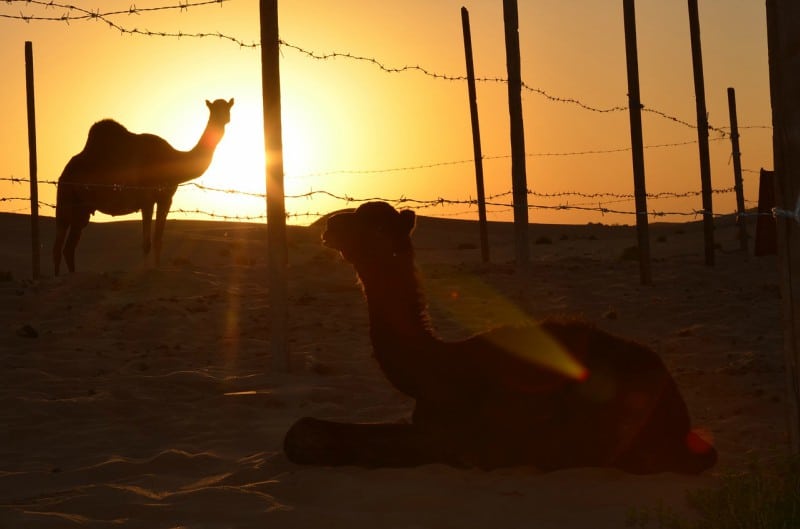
{"x":119,"y":172}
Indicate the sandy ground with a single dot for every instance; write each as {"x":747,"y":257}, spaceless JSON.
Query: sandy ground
{"x":132,"y":397}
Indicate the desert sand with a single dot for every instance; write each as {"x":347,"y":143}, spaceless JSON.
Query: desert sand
{"x":133,"y":397}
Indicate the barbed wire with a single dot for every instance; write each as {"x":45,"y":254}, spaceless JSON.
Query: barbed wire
{"x":85,"y":14}
{"x":450,"y":77}
{"x":442,"y":201}
{"x":423,"y":204}
{"x":434,"y":165}
{"x":312,"y":193}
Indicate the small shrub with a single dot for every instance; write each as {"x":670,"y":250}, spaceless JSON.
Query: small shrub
{"x":761,"y":498}
{"x":544,"y":239}
{"x":6,"y":275}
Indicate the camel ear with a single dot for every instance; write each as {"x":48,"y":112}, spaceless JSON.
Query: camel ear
{"x":407,"y":220}
{"x":208,"y":104}
{"x":230,"y":103}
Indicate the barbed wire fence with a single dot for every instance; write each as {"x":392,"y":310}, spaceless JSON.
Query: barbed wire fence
{"x":595,"y":202}
{"x":69,"y":13}
{"x":72,"y":13}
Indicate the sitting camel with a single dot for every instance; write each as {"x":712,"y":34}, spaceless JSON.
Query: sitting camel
{"x":556,"y":394}
{"x":119,"y":172}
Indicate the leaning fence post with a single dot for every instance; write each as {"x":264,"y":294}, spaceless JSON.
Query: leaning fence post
{"x":476,"y":135}
{"x":34,"y":170}
{"x":737,"y":170}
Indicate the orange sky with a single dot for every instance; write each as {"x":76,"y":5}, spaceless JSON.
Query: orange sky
{"x":345,"y":118}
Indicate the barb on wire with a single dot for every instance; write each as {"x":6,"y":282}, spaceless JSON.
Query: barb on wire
{"x":722,"y":132}
{"x":225,"y":191}
{"x":86,"y":14}
{"x":219,"y":215}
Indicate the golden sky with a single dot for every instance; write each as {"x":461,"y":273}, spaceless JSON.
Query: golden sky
{"x":348,"y":124}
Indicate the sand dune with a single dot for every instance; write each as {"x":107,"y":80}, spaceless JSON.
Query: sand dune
{"x":141,"y":398}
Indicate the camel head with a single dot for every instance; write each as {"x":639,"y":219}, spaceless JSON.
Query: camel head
{"x":375,"y":231}
{"x":220,"y":111}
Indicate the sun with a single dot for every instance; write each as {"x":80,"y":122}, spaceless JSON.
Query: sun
{"x":239,"y":159}
{"x":239,"y":163}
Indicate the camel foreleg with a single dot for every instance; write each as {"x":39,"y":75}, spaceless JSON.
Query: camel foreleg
{"x":161,"y":220}
{"x":147,"y":219}
{"x":316,"y":442}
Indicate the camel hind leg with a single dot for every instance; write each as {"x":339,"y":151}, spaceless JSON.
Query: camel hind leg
{"x":147,"y":219}
{"x":78,"y":222}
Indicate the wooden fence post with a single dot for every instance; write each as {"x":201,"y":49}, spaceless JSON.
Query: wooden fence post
{"x":32,"y":161}
{"x":476,"y":135}
{"x":783,"y":36}
{"x":737,"y":170}
{"x":276,"y":209}
{"x":702,"y":132}
{"x":519,"y":178}
{"x":637,"y":144}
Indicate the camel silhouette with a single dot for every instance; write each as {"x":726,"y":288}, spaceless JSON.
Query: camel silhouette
{"x":554,"y":394}
{"x":119,"y":172}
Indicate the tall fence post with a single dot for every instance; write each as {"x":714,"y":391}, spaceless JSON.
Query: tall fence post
{"x":702,"y":132}
{"x":476,"y":136}
{"x":32,"y":161}
{"x":783,"y":38}
{"x":276,"y":209}
{"x":519,"y":178}
{"x":637,"y":144}
{"x":738,"y":184}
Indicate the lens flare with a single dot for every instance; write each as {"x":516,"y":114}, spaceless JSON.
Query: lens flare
{"x":459,"y":296}
{"x":699,"y":441}
{"x":536,"y":346}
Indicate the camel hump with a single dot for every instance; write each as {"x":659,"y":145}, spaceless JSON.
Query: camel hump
{"x":104,"y":134}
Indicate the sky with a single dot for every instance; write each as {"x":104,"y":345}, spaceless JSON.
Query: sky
{"x":352,"y":129}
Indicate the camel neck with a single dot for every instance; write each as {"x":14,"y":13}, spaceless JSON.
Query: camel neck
{"x":397,"y":307}
{"x":399,"y":326}
{"x":199,"y":158}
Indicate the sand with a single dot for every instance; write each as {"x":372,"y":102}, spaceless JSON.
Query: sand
{"x":133,"y":397}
